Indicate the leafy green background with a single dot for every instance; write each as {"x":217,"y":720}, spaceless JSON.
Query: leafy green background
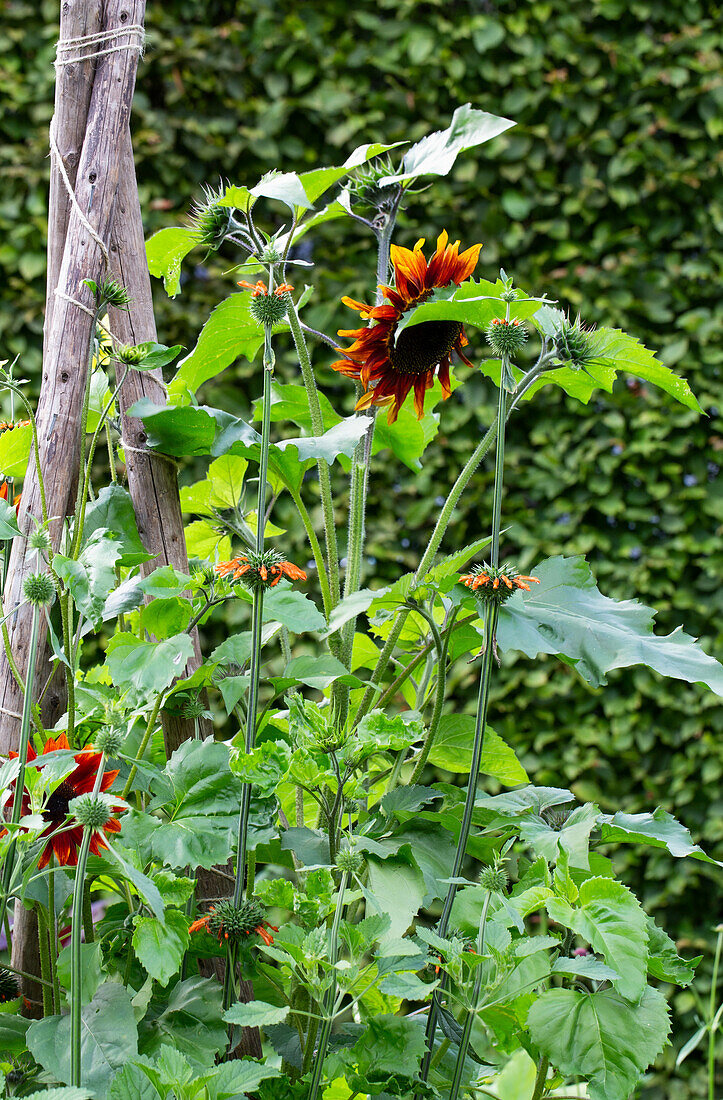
{"x":604,"y":195}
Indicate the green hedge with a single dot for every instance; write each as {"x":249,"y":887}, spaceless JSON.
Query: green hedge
{"x":604,"y":195}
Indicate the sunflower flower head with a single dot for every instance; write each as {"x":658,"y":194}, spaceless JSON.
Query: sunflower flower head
{"x":496,"y":583}
{"x":267,"y":309}
{"x":63,"y":838}
{"x":260,"y":570}
{"x":506,"y":337}
{"x":232,"y":923}
{"x":390,"y":363}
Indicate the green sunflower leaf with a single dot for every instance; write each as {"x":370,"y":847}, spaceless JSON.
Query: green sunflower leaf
{"x":165,"y":252}
{"x":436,"y":153}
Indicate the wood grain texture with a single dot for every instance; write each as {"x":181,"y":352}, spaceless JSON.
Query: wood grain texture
{"x":66,"y":344}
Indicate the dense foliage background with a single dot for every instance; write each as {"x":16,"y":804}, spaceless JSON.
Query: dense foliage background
{"x":603,"y":195}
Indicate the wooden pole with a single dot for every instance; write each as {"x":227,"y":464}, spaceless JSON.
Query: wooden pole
{"x":152,"y":479}
{"x":67,"y":341}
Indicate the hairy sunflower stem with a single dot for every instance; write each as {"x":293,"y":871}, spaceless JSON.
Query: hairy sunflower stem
{"x":44,"y":953}
{"x":143,"y":745}
{"x":441,"y":686}
{"x":317,"y":427}
{"x":16,"y":811}
{"x":542,"y":1069}
{"x":712,"y":1014}
{"x":328,"y":1018}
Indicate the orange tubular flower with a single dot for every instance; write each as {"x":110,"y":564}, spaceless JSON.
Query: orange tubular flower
{"x":231,"y":923}
{"x":64,"y":846}
{"x":260,"y":570}
{"x":389,"y":366}
{"x":260,"y":288}
{"x":4,"y":496}
{"x":496,"y":583}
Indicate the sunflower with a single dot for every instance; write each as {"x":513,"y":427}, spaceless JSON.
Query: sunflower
{"x":260,"y":570}
{"x":389,"y":366}
{"x":64,"y":845}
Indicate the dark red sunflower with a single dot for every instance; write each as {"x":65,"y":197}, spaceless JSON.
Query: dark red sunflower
{"x":64,"y":846}
{"x":390,"y":366}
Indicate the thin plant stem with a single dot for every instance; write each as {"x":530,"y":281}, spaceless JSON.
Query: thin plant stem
{"x":53,"y":934}
{"x":44,"y":952}
{"x":330,"y":998}
{"x":470,"y":1015}
{"x":316,"y":551}
{"x":438,"y":702}
{"x":76,"y":968}
{"x":317,"y":427}
{"x":143,"y":745}
{"x":16,"y":810}
{"x":490,"y":627}
{"x":711,"y":1015}
{"x":542,"y":1069}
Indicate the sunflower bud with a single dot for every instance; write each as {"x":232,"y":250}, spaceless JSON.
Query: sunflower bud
{"x":556,"y":817}
{"x":574,"y":343}
{"x":91,"y":810}
{"x":109,"y":293}
{"x":131,"y":353}
{"x":505,"y":337}
{"x":39,"y":589}
{"x":367,"y":188}
{"x":210,"y":221}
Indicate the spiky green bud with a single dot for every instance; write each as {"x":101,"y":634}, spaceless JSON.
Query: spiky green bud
{"x":505,"y":337}
{"x":575,"y":343}
{"x":91,"y":810}
{"x":111,"y":293}
{"x":350,"y":861}
{"x":209,"y":220}
{"x":557,"y":816}
{"x":39,"y":589}
{"x":230,"y":922}
{"x":493,"y":879}
{"x":268,"y":309}
{"x":39,"y":540}
{"x":109,"y":740}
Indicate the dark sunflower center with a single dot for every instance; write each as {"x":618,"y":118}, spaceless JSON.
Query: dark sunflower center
{"x":56,"y":808}
{"x":419,"y":349}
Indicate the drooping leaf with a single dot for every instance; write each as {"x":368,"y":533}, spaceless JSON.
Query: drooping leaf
{"x":229,"y":333}
{"x":611,"y":919}
{"x":475,"y":302}
{"x":8,"y":521}
{"x":600,"y":1036}
{"x":567,"y":615}
{"x":664,"y":962}
{"x":395,"y":889}
{"x":113,"y":510}
{"x":92,"y":576}
{"x":573,"y":836}
{"x":147,"y":666}
{"x":180,"y":430}
{"x":165,"y":251}
{"x":15,"y":447}
{"x":452,"y":750}
{"x":188,"y":1019}
{"x":436,"y":153}
{"x":108,"y":1039}
{"x":161,"y":944}
{"x":255,"y":1014}
{"x":293,"y":609}
{"x":201,"y":798}
{"x":658,"y":829}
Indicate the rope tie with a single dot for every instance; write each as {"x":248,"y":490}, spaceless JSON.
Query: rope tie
{"x":135,"y":32}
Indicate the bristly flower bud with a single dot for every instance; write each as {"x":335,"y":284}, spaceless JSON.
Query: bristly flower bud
{"x":109,"y":740}
{"x":494,"y":879}
{"x":210,"y":221}
{"x":268,"y":309}
{"x":556,"y":816}
{"x":39,"y":540}
{"x":91,"y":810}
{"x":506,"y":337}
{"x":367,"y":188}
{"x":193,"y":706}
{"x":350,"y":861}
{"x":39,"y":589}
{"x":575,"y":343}
{"x":109,"y":293}
{"x":231,"y":923}
{"x":260,"y":570}
{"x":130,"y":353}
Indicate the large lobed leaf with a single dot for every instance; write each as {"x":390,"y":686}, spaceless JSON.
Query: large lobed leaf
{"x":600,"y":1036}
{"x":567,"y":615}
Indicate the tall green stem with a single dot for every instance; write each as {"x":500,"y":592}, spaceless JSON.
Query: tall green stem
{"x":317,"y":427}
{"x":330,"y":999}
{"x":44,"y":953}
{"x":490,"y":627}
{"x":442,"y":650}
{"x":711,"y":1016}
{"x":470,"y":1015}
{"x":541,"y":1079}
{"x":143,"y":745}
{"x":76,"y":968}
{"x":16,"y":811}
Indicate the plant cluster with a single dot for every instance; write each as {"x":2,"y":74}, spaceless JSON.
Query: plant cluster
{"x":404,"y":937}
